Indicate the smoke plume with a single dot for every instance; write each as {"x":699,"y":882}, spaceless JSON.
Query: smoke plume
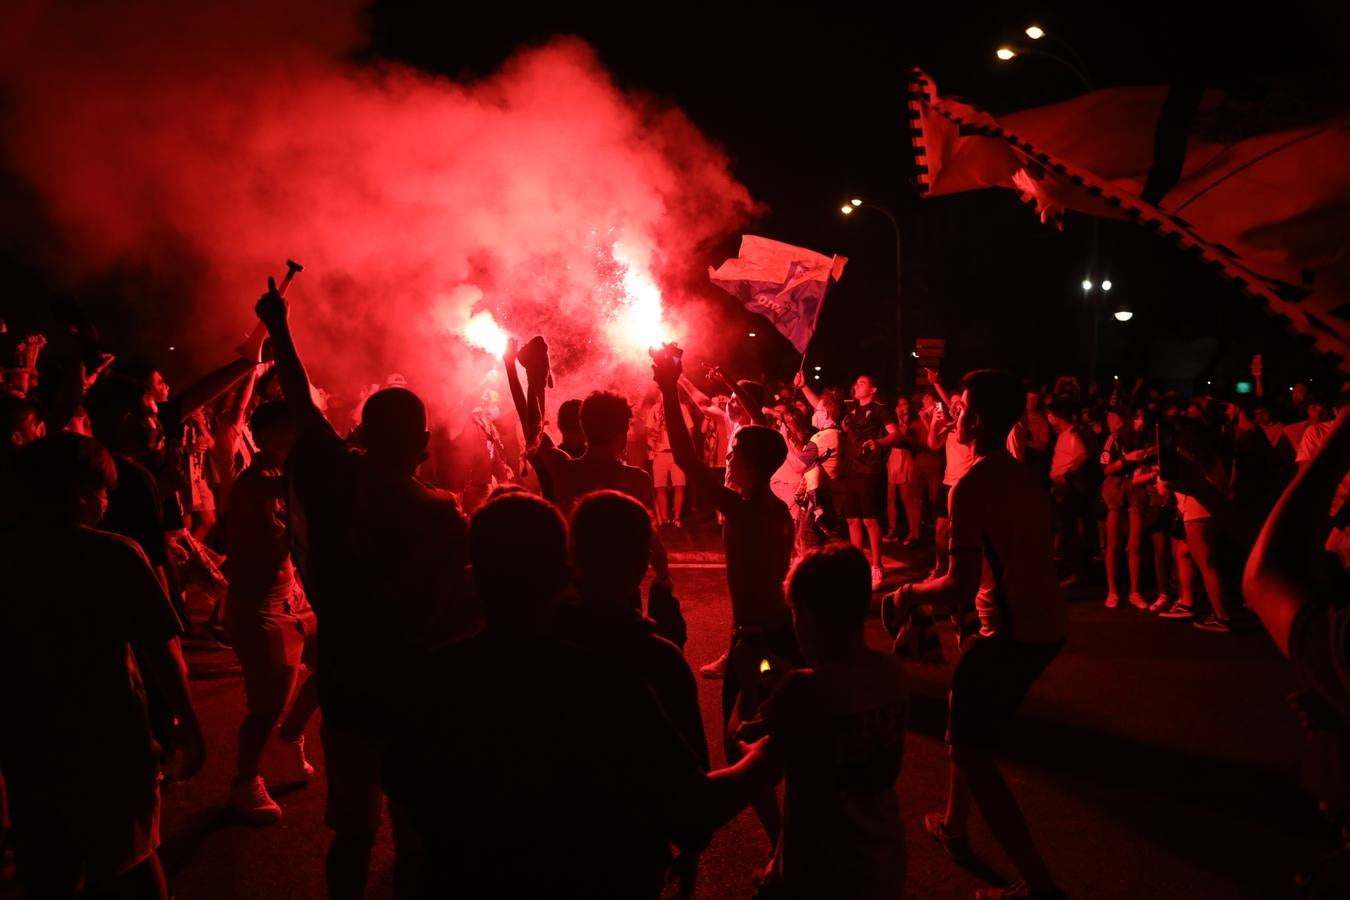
{"x":219,"y":139}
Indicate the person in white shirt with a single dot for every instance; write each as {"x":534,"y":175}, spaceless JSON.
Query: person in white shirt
{"x":1067,"y":470}
{"x":668,"y":478}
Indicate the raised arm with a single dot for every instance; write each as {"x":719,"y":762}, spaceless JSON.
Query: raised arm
{"x":272,"y":310}
{"x":666,"y":373}
{"x":936,"y":381}
{"x":1287,"y":567}
{"x":799,"y":382}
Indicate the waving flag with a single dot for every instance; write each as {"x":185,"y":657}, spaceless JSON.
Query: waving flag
{"x":1259,"y":191}
{"x":784,"y":284}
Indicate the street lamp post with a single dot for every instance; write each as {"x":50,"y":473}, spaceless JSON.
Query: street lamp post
{"x":847,"y":209}
{"x":1074,"y":62}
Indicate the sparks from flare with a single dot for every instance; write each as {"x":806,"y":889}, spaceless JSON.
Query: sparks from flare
{"x":483,"y":332}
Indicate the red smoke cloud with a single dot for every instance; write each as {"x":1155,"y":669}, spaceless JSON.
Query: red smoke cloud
{"x":223,"y":138}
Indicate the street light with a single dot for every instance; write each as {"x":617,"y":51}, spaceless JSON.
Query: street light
{"x":1005,"y":53}
{"x":1123,"y":314}
{"x":847,"y":209}
{"x":1034,"y":32}
{"x":1106,"y":285}
{"x":1087,"y":285}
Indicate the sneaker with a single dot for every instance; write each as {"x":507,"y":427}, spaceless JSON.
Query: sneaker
{"x":1138,"y":601}
{"x":1019,"y":891}
{"x":717,"y":668}
{"x":1071,"y":581}
{"x":292,"y":767}
{"x":877,"y":577}
{"x":1162,"y":603}
{"x":1112,"y":600}
{"x":957,"y":846}
{"x":1179,"y":610}
{"x":1212,"y":622}
{"x":250,"y":800}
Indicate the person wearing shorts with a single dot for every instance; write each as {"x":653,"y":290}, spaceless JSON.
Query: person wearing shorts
{"x":1125,"y":502}
{"x":871,"y":431}
{"x":1001,"y":558}
{"x":269,"y":622}
{"x":667,"y":478}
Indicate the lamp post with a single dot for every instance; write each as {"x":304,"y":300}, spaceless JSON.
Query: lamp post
{"x":847,"y":210}
{"x":1074,"y":62}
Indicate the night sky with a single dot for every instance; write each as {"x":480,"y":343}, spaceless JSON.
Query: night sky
{"x":809,"y":105}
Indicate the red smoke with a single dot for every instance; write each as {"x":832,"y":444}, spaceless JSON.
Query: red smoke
{"x":223,"y":138}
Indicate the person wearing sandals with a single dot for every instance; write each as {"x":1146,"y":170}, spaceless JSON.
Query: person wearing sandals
{"x":1001,"y":558}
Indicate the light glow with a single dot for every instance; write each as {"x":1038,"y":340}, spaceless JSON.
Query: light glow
{"x":483,"y":332}
{"x":1034,"y":32}
{"x":1005,"y":53}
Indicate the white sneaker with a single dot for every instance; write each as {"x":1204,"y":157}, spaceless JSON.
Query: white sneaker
{"x":252,"y":802}
{"x":1138,"y":600}
{"x":877,"y":577}
{"x":1112,"y":600}
{"x":717,"y":668}
{"x":291,"y":767}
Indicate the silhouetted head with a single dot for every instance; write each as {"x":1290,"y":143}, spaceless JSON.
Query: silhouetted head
{"x":518,"y":552}
{"x":64,"y":479}
{"x":569,"y":419}
{"x":273,"y":429}
{"x":830,"y":592}
{"x":611,"y":540}
{"x":393,"y":429}
{"x":992,"y":403}
{"x":604,"y":421}
{"x":756,"y":453}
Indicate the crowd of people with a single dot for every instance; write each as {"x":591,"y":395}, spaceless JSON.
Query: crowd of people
{"x":462,"y":603}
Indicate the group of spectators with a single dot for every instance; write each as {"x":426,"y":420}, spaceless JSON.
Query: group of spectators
{"x":489,"y":668}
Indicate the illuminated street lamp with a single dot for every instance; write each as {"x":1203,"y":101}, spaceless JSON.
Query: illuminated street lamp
{"x":1087,"y":285}
{"x":1005,"y":53}
{"x":858,"y":203}
{"x":1123,"y":314}
{"x":1034,"y":32}
{"x":1106,"y":285}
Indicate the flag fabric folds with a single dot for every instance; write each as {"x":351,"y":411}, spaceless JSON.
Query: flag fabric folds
{"x":1260,"y":192}
{"x":785,"y":284}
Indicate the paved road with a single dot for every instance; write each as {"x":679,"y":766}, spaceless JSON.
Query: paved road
{"x":1153,"y":760}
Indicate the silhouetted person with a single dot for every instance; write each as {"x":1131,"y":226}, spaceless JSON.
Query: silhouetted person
{"x":270,"y":624}
{"x":758,"y":536}
{"x":838,"y":731}
{"x":1001,"y":560}
{"x":382,"y":559}
{"x":82,"y":618}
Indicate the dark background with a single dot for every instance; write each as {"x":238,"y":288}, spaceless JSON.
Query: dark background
{"x":809,"y":105}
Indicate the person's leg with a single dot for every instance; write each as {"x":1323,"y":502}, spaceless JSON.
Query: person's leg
{"x":303,"y":705}
{"x":1134,"y":548}
{"x":1202,"y":538}
{"x":269,"y":678}
{"x":1162,"y":572}
{"x":941,"y":535}
{"x":677,"y":509}
{"x":892,"y":512}
{"x":957,"y":816}
{"x":873,"y":527}
{"x":855,"y":534}
{"x":352,"y":764}
{"x":1185,"y":573}
{"x":144,"y":881}
{"x":1111,"y":550}
{"x":1001,"y":812}
{"x":911,"y":492}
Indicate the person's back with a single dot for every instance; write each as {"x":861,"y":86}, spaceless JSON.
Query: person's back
{"x":839,"y":729}
{"x":1007,"y":512}
{"x":758,"y":537}
{"x":611,"y":539}
{"x":527,"y":767}
{"x":604,"y":418}
{"x":382,"y":557}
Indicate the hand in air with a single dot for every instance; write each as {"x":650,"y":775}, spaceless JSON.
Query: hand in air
{"x":271,"y":306}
